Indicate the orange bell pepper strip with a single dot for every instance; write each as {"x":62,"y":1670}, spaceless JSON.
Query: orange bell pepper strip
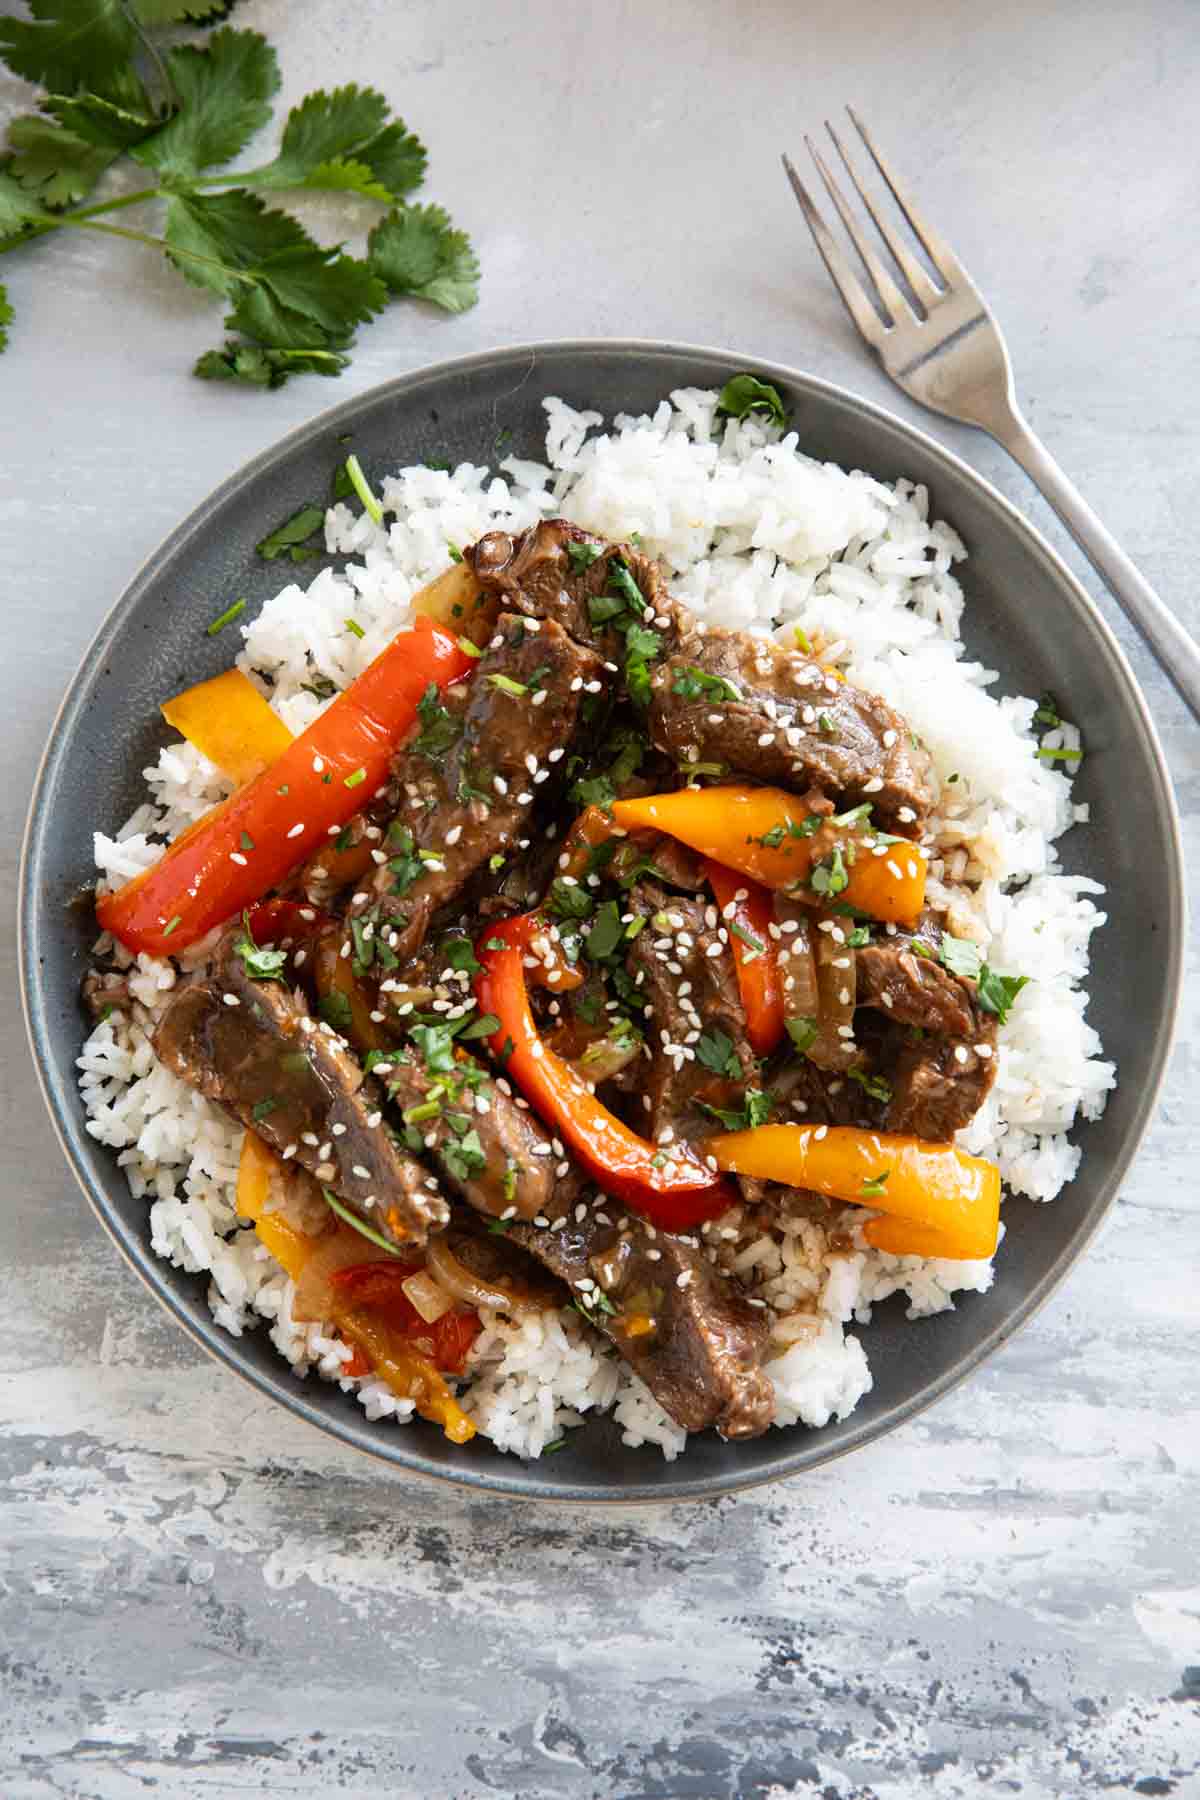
{"x":409,"y":1374}
{"x":675,"y":1189}
{"x":230,"y":723}
{"x":245,"y":847}
{"x":764,"y":832}
{"x":748,"y":921}
{"x":938,"y":1200}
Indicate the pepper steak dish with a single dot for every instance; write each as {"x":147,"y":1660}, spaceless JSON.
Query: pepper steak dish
{"x":573,"y":927}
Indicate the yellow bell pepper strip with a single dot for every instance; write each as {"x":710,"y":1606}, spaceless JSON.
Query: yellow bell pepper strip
{"x":672,"y":1188}
{"x":932,"y":1194}
{"x":765,"y":832}
{"x":230,"y":723}
{"x":408,"y":1373}
{"x":245,"y":847}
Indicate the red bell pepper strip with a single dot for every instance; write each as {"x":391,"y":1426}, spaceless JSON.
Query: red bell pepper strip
{"x":380,"y":1288}
{"x":245,"y":847}
{"x":674,"y":1189}
{"x":273,"y":920}
{"x":754,"y":954}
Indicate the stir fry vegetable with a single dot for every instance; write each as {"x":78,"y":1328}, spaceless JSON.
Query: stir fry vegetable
{"x":244,"y":848}
{"x":766,"y":833}
{"x":670,"y":1187}
{"x":747,"y":911}
{"x":230,"y":723}
{"x":939,"y":1200}
{"x":369,"y":1309}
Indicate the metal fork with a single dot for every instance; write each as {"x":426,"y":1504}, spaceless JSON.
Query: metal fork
{"x":940,"y":343}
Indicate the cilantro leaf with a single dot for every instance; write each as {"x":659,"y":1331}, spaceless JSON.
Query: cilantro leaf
{"x":334,"y":1007}
{"x":342,"y":140}
{"x":102,"y":122}
{"x":755,"y":1110}
{"x":60,"y":166}
{"x":262,"y":965}
{"x":961,"y":956}
{"x":691,"y":683}
{"x":876,"y":1183}
{"x":606,"y":933}
{"x":460,"y":955}
{"x":7,"y":316}
{"x":439,"y":727}
{"x":746,"y":394}
{"x":997,"y":992}
{"x":225,"y":87}
{"x":416,"y":251}
{"x":583,"y":556}
{"x":875,"y":1085}
{"x":830,"y":875}
{"x":464,"y":1156}
{"x":213,"y":238}
{"x":436,"y":1044}
{"x":259,"y":366}
{"x":182,"y":12}
{"x":291,"y":538}
{"x":803,"y":1031}
{"x":18,"y":208}
{"x":305,"y":287}
{"x":73,"y":45}
{"x":715,"y":1050}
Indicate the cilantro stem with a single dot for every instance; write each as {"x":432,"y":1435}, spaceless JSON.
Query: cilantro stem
{"x":41,"y":227}
{"x":156,"y":243}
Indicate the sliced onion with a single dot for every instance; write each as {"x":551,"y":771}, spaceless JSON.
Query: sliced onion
{"x":430,"y":1300}
{"x":829,"y":1049}
{"x":464,"y":1284}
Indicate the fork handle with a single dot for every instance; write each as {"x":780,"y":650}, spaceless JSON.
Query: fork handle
{"x":1174,"y":647}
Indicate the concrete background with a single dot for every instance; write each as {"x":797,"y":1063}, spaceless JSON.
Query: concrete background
{"x":200,"y":1596}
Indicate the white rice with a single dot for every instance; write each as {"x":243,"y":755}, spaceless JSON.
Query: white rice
{"x":756,"y":534}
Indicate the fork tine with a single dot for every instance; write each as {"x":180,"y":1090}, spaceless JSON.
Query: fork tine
{"x":939,"y":251}
{"x":894,"y":304}
{"x":843,"y":277}
{"x":908,"y":265}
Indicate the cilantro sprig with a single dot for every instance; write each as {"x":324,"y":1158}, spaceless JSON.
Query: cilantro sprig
{"x":114,"y":94}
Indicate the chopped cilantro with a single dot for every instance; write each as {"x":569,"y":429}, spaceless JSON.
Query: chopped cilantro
{"x":246,"y":841}
{"x":455,"y":553}
{"x":360,"y":1225}
{"x":748,"y":938}
{"x":320,"y":686}
{"x":858,"y":937}
{"x":583,"y":556}
{"x":691,"y":683}
{"x":606,"y":933}
{"x":173,"y":924}
{"x":460,"y":954}
{"x":997,"y":992}
{"x":354,"y":780}
{"x":291,"y":539}
{"x":802,"y":639}
{"x":336,"y":1010}
{"x":716,"y":1051}
{"x":746,"y":394}
{"x":1052,"y":756}
{"x":363,"y":489}
{"x":261,"y":965}
{"x":569,"y":900}
{"x":436,"y":1045}
{"x":354,"y":628}
{"x":468,"y":648}
{"x":755,"y":1110}
{"x":464,"y":1156}
{"x":826,"y":726}
{"x":439,"y":727}
{"x":803,"y":1031}
{"x":876,"y":1183}
{"x":483,"y":1025}
{"x":960,"y":956}
{"x":263,"y":1108}
{"x":875,"y":1085}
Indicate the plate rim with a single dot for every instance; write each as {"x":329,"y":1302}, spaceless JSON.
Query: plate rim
{"x":361,"y":1434}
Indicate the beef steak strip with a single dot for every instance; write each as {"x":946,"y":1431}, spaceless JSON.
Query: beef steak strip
{"x":912,"y":989}
{"x":469,"y":795}
{"x":939,"y":1083}
{"x":690,"y":992}
{"x":701,"y":1356}
{"x":536,"y":574}
{"x":253,"y":1047}
{"x":784,"y":719}
{"x":519,"y":1171}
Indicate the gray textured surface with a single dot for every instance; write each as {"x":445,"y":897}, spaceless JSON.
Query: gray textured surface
{"x":199,"y":1595}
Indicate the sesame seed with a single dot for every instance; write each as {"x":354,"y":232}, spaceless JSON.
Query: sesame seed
{"x":960,"y":1053}
{"x":894,"y":869}
{"x":324,"y":1171}
{"x":654,"y":1255}
{"x":318,"y":765}
{"x":237,"y":857}
{"x":874,"y":785}
{"x":290,"y":1152}
{"x":296,"y":831}
{"x":500,"y":785}
{"x":454,"y":833}
{"x":984,"y":1050}
{"x":232,"y":1000}
{"x":714,"y":950}
{"x":576,"y":684}
{"x":539,"y":699}
{"x":821,"y":1132}
{"x":683,"y":1278}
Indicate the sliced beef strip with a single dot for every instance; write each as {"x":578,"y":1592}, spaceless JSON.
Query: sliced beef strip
{"x":690,"y":992}
{"x":912,"y":989}
{"x":791,"y":723}
{"x":701,"y":1357}
{"x":474,"y":798}
{"x":521,"y":1174}
{"x":939,"y":1083}
{"x":535,"y":574}
{"x":254,"y":1047}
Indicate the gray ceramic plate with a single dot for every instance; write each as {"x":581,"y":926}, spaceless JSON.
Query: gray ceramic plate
{"x":1027,"y":617}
